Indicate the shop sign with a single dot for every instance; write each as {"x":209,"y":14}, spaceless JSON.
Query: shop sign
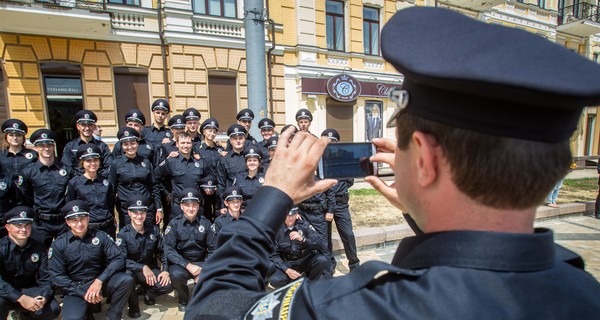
{"x":343,"y":87}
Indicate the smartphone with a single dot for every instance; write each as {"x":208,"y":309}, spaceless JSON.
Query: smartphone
{"x":347,"y":160}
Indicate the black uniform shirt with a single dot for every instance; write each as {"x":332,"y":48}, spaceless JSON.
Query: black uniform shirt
{"x":12,"y":164}
{"x":135,"y":177}
{"x":181,"y":172}
{"x":230,"y":166}
{"x":145,"y":149}
{"x":186,"y":241}
{"x":23,"y":267}
{"x":155,"y":136}
{"x":98,"y":193}
{"x":211,"y":156}
{"x":285,"y":249}
{"x":76,"y":262}
{"x":220,"y":222}
{"x":8,"y":195}
{"x":340,"y":192}
{"x":43,"y":187}
{"x":70,"y":160}
{"x":141,"y":249}
{"x":249,"y":185}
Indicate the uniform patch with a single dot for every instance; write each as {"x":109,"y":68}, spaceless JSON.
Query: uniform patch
{"x":213,"y":228}
{"x":3,"y":186}
{"x":152,"y":237}
{"x":105,"y":182}
{"x":119,"y":241}
{"x":197,"y":165}
{"x":162,"y":163}
{"x":50,"y":253}
{"x":149,"y":147}
{"x":168,"y":134}
{"x":143,"y":164}
{"x":95,"y":241}
{"x":261,"y":180}
{"x":35,"y":257}
{"x":62,"y":172}
{"x":201,"y":229}
{"x":167,"y":230}
{"x":276,"y":304}
{"x":29,"y":156}
{"x":20,"y":181}
{"x":311,"y":227}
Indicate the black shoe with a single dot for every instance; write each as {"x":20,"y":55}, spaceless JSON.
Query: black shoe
{"x":181,"y":305}
{"x":134,"y":315}
{"x":139,"y":290}
{"x":597,"y":215}
{"x":149,"y":301}
{"x":353,"y":266}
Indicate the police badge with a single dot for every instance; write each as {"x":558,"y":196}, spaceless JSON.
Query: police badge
{"x":149,"y":147}
{"x":62,"y":172}
{"x":201,"y":229}
{"x":261,"y":180}
{"x":105,"y":182}
{"x":197,"y":165}
{"x":20,"y":181}
{"x":168,"y":134}
{"x":29,"y":155}
{"x":143,"y":164}
{"x":167,"y":230}
{"x":50,"y":253}
{"x":95,"y":241}
{"x":3,"y":186}
{"x":119,"y":241}
{"x":152,"y":237}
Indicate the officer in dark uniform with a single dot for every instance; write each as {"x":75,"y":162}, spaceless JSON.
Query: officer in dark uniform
{"x":211,"y":203}
{"x":16,"y":156}
{"x":233,"y":202}
{"x":88,"y":266}
{"x":304,"y":118}
{"x":234,"y":162}
{"x":244,"y":118}
{"x":25,"y":283}
{"x":341,"y":212}
{"x":267,"y":130}
{"x":297,"y":252}
{"x":135,"y":119}
{"x":271,"y":147}
{"x":95,"y":190}
{"x":209,"y":150}
{"x":186,"y":244}
{"x":86,"y":124}
{"x":132,"y":175}
{"x":157,"y":133}
{"x":182,"y":172}
{"x":142,"y":246}
{"x":43,"y":187}
{"x":252,"y":178}
{"x":470,"y":127}
{"x":177,"y":126}
{"x":192,"y":124}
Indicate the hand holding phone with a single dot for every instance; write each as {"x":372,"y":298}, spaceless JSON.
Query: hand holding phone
{"x":347,"y":160}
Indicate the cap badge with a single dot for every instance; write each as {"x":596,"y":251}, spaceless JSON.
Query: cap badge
{"x":400,"y":97}
{"x":75,"y":208}
{"x":235,"y":129}
{"x":89,"y":150}
{"x":126,"y":133}
{"x":161,"y":104}
{"x":303,"y":113}
{"x":246,"y":114}
{"x":95,"y":241}
{"x":134,"y":115}
{"x":190,"y":194}
{"x":210,"y":183}
{"x":23,"y":214}
{"x":179,"y":121}
{"x":234,"y":193}
{"x":191,"y":113}
{"x":2,"y":185}
{"x":86,"y":116}
{"x":15,"y":125}
{"x":213,"y":123}
{"x":35,"y":257}
{"x":62,"y":172}
{"x":201,"y":229}
{"x":44,"y":136}
{"x":330,"y":134}
{"x":139,"y":202}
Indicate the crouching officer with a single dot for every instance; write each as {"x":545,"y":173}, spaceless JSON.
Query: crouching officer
{"x":142,"y":245}
{"x":88,"y":266}
{"x":186,"y":244}
{"x":298,"y":251}
{"x":25,"y":283}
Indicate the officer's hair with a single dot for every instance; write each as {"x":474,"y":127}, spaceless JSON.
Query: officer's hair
{"x":498,"y":172}
{"x":182,"y":135}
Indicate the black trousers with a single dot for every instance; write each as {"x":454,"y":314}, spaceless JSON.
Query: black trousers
{"x":46,"y":230}
{"x":311,"y":266}
{"x":179,"y":279}
{"x":343,"y":223}
{"x":152,"y":291}
{"x":118,"y":288}
{"x":317,"y":219}
{"x":51,"y":309}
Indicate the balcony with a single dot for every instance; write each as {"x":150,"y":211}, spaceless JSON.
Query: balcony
{"x":477,"y":5}
{"x":218,"y":26}
{"x":581,"y":19}
{"x":64,"y":18}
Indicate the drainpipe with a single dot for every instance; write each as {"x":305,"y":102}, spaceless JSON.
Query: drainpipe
{"x":270,"y":68}
{"x":163,"y":49}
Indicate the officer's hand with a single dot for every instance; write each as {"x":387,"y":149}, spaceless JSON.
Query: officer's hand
{"x":293,"y":274}
{"x":223,"y":210}
{"x":193,"y":269}
{"x":166,"y":140}
{"x":386,"y":149}
{"x":173,"y":154}
{"x":164,"y":279}
{"x":328,"y":216}
{"x":94,"y":294}
{"x":293,"y":166}
{"x":197,"y":156}
{"x":30,"y":303}
{"x":295,"y":235}
{"x":149,"y":275}
{"x":159,"y":216}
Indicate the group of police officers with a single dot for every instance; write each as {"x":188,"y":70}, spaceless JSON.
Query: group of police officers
{"x":59,"y":219}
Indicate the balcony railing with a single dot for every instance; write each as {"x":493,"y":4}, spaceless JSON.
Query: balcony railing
{"x":576,"y":12}
{"x":94,"y":5}
{"x":218,"y":26}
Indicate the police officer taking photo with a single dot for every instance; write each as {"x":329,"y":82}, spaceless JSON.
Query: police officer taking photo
{"x":471,"y":127}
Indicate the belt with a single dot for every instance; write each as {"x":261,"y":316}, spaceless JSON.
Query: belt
{"x":98,"y":225}
{"x":297,"y":256}
{"x":50,"y":217}
{"x":309,"y":206}
{"x":342,"y":198}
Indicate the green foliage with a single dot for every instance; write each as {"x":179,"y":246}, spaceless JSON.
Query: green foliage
{"x":584,"y":184}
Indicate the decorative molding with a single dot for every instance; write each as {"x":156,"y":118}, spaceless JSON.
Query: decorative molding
{"x":218,"y":26}
{"x":337,"y":61}
{"x":127,"y":20}
{"x":374,"y":65}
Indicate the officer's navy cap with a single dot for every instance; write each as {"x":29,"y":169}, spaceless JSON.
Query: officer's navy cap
{"x":232,"y":193}
{"x":75,"y":209}
{"x":210,"y":123}
{"x":287,"y":126}
{"x":189,"y":195}
{"x":161,"y":104}
{"x":191,"y":114}
{"x":128,"y":134}
{"x":208,"y":182}
{"x":42,"y":136}
{"x":87,"y":151}
{"x":135,"y":115}
{"x":487,"y":78}
{"x":245,"y":114}
{"x":19,"y":215}
{"x":252,"y":151}
{"x":266,"y":123}
{"x":272,"y":142}
{"x":177,"y":122}
{"x":293,"y":211}
{"x":85,"y":116}
{"x":14,"y":125}
{"x":332,"y":134}
{"x":304,"y":114}
{"x":137,"y":203}
{"x":236,"y":129}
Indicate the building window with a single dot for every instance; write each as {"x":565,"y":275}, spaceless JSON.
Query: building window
{"x":223,"y":98}
{"x":128,"y":2}
{"x":542,"y":4}
{"x":335,"y":25}
{"x":373,"y":120}
{"x":371,"y":30}
{"x":221,"y":8}
{"x":596,"y":56}
{"x":131,"y":91}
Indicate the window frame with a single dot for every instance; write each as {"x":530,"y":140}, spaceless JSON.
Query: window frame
{"x":335,"y":15}
{"x":371,"y":23}
{"x":133,"y":3}
{"x":221,"y":8}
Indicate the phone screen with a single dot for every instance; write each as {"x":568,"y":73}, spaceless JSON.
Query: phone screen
{"x":347,"y":160}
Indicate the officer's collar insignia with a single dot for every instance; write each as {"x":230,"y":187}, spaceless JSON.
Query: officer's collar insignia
{"x":75,"y":209}
{"x":89,"y":150}
{"x":3,"y":185}
{"x":62,"y":172}
{"x":23,"y":214}
{"x":105,"y":182}
{"x":201,"y":229}
{"x":261,"y":180}
{"x":29,"y":155}
{"x":44,"y":136}
{"x":190,"y":194}
{"x":167,"y":230}
{"x":126,"y":133}
{"x":119,"y":241}
{"x":234,"y":193}
{"x":50,"y":253}
{"x":95,"y":241}
{"x":35,"y":257}
{"x":139,"y":202}
{"x":152,"y":237}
